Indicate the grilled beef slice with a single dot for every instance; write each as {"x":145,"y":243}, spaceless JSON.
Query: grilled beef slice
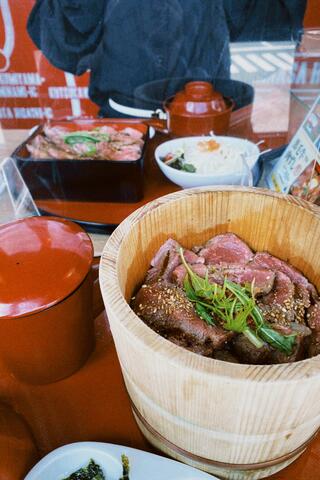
{"x":304,"y":291}
{"x":277,"y":306}
{"x":263,"y":259}
{"x":298,"y":353}
{"x":313,"y":320}
{"x":263,"y":279}
{"x":179,"y":273}
{"x":226,"y":249}
{"x":167,"y":259}
{"x":165,"y":308}
{"x":225,"y":355}
{"x":246,"y":352}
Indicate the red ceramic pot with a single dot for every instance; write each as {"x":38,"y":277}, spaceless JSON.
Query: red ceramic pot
{"x":46,"y":325}
{"x":196,"y":110}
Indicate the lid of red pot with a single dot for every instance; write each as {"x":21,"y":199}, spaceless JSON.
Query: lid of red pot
{"x":197,"y":98}
{"x":42,"y":261}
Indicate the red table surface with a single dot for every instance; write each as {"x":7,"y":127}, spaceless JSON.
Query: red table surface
{"x":92,"y":404}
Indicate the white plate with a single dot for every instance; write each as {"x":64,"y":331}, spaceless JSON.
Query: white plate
{"x":143,"y":465}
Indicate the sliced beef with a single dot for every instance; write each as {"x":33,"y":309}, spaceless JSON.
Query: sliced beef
{"x":133,"y":132}
{"x":304,"y":291}
{"x":246,"y":352}
{"x":266,"y":260}
{"x":301,"y":303}
{"x":298,"y":353}
{"x":55,"y":134}
{"x":276,"y":314}
{"x":108,"y":130}
{"x":225,"y":356}
{"x":226,"y":249}
{"x":204,"y":349}
{"x":313,"y":320}
{"x":169,"y":245}
{"x":153,"y":274}
{"x":282,"y":293}
{"x":263,"y":279}
{"x":196,"y":248}
{"x":313,"y":316}
{"x":300,"y":329}
{"x":165,"y":308}
{"x":128,"y":152}
{"x":313,"y":292}
{"x":299,"y":349}
{"x":314,"y":345}
{"x":167,"y":259}
{"x":180,"y":272}
{"x":302,"y":295}
{"x":277,"y":306}
{"x":164,"y":262}
{"x":173,"y":246}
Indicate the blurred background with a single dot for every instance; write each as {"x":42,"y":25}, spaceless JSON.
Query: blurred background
{"x":32,"y":90}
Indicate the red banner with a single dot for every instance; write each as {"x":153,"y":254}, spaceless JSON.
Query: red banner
{"x":31,"y":89}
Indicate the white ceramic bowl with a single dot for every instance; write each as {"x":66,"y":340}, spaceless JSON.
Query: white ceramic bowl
{"x":187,"y":180}
{"x":143,"y":465}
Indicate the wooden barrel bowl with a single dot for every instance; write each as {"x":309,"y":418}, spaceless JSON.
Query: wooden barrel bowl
{"x":233,"y":420}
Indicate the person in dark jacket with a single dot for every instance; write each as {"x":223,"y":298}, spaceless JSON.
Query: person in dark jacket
{"x":126,"y":43}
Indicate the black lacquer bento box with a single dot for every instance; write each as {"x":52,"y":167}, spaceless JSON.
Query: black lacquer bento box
{"x":85,"y":179}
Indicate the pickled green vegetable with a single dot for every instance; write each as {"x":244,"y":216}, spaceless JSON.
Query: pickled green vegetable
{"x":91,"y":472}
{"x":94,"y":472}
{"x":72,"y":139}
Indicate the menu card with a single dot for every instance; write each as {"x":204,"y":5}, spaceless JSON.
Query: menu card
{"x":298,"y":169}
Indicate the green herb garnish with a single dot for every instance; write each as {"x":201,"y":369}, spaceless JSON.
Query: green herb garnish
{"x":177,"y":162}
{"x":91,"y":472}
{"x":74,"y":138}
{"x":94,"y":472}
{"x":203,"y":313}
{"x":188,"y":167}
{"x":179,"y":165}
{"x":235,"y":305}
{"x":85,"y":139}
{"x":284,"y":343}
{"x":125,"y":467}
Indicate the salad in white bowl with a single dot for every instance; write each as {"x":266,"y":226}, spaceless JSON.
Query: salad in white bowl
{"x":199,"y":161}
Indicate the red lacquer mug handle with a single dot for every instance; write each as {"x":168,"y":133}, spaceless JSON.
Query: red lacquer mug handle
{"x":157,"y":123}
